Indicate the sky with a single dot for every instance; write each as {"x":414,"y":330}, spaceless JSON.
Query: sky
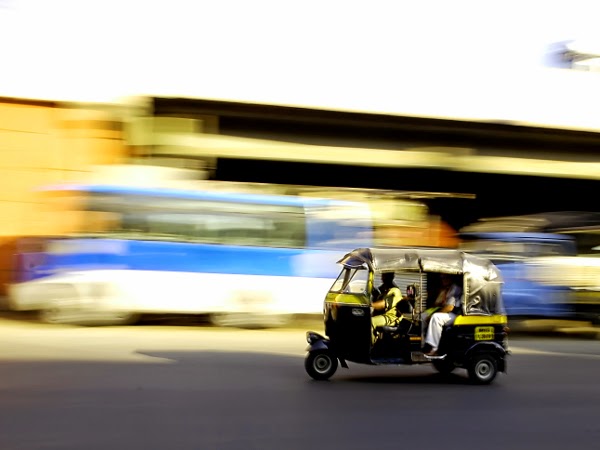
{"x":464,"y":59}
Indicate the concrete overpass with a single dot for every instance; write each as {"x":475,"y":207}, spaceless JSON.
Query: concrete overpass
{"x":510,"y":168}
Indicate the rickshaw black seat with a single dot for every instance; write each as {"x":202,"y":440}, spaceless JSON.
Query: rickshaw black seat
{"x":405,"y":307}
{"x":401,"y":328}
{"x":390,"y":329}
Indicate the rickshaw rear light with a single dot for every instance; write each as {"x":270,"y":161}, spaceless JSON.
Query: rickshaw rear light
{"x":506,"y":330}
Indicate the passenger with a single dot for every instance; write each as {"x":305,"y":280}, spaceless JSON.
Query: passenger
{"x":388,"y":297}
{"x":446,"y":307}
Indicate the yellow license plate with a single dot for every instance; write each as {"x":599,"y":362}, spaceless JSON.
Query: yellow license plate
{"x":484,"y":333}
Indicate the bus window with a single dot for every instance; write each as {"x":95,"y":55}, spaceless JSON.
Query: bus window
{"x":202,"y":221}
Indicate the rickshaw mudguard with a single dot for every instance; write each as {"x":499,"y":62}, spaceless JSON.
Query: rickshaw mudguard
{"x":318,"y":342}
{"x":489,"y":347}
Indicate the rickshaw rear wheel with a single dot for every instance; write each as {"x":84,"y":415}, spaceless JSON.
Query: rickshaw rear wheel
{"x":443,"y":366}
{"x":483,"y":369}
{"x":320,"y":364}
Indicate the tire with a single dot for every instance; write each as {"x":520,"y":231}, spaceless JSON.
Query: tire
{"x":443,"y":366}
{"x":65,"y":316}
{"x":250,"y":321}
{"x":52,"y":315}
{"x":124,"y":318}
{"x":320,"y":364}
{"x":483,"y":369}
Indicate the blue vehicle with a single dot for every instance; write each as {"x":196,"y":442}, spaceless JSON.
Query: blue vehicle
{"x":533,"y":288}
{"x":240,"y":258}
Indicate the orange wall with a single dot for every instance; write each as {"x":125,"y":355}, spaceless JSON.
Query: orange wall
{"x":42,"y":143}
{"x":431,"y":233}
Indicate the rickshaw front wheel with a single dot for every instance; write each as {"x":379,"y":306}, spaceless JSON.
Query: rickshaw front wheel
{"x":483,"y":369}
{"x":320,"y":364}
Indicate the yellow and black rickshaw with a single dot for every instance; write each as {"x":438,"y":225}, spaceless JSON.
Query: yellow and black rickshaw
{"x":475,"y":339}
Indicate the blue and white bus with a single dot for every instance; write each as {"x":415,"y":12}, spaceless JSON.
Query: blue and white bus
{"x":241,"y":258}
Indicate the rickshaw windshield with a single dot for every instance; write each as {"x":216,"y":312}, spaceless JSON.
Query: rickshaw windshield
{"x":351,"y":281}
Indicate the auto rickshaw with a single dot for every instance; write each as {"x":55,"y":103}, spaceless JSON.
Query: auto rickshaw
{"x":475,"y":340}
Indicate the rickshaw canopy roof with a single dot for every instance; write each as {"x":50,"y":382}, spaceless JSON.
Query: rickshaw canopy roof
{"x":448,"y":261}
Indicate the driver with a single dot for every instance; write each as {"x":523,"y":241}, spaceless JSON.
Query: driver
{"x":388,"y":297}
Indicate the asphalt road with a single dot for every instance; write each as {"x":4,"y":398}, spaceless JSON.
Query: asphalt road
{"x":191,"y":387}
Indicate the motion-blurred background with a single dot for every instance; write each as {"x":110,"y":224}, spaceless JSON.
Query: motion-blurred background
{"x":160,"y":158}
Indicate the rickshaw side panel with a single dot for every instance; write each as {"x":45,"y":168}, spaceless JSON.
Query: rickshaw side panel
{"x":476,"y":334}
{"x":349,"y":330}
